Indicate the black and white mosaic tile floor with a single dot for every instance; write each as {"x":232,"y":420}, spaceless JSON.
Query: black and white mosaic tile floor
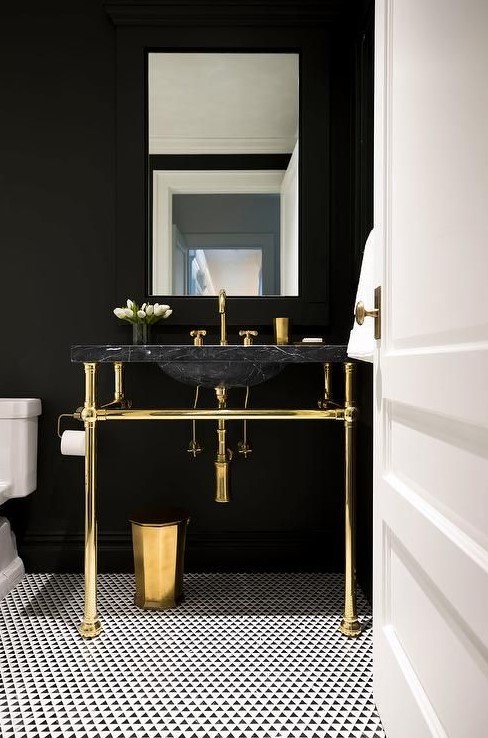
{"x":245,"y":656}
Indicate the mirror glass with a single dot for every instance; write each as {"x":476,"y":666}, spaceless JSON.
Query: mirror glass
{"x":223,"y":173}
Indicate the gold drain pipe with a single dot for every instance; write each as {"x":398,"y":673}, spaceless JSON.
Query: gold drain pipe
{"x":224,"y":455}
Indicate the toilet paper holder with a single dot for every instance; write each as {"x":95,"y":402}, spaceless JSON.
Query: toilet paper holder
{"x":75,"y":416}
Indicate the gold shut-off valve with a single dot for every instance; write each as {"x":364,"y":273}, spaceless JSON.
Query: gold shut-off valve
{"x":361,"y":313}
{"x":198,"y":337}
{"x":248,"y":337}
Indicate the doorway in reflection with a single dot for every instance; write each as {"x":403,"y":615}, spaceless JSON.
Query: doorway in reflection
{"x":239,"y":269}
{"x":226,"y":241}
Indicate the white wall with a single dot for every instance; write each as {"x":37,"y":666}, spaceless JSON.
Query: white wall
{"x":289,"y":228}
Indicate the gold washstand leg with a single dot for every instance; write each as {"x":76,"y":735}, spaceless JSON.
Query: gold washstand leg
{"x":350,"y":625}
{"x":90,"y":625}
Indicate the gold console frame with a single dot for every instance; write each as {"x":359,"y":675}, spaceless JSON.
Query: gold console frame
{"x":91,"y":415}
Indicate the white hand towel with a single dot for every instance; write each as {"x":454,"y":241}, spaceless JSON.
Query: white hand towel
{"x":362,"y":342}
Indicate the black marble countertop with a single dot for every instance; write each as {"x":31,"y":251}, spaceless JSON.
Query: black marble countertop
{"x":257,"y":353}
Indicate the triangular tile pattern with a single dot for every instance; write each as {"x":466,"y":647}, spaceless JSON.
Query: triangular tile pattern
{"x":244,"y":656}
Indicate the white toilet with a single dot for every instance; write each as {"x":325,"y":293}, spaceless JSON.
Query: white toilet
{"x":18,"y":475}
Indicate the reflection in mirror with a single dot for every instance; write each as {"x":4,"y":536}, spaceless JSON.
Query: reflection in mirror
{"x":226,"y":239}
{"x":223,"y":163}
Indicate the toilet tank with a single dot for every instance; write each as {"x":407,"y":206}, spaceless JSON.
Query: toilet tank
{"x":18,"y":446}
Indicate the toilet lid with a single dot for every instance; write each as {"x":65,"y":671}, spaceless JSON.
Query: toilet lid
{"x":19,"y":407}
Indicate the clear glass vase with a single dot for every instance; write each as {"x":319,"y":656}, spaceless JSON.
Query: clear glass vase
{"x":140,"y":334}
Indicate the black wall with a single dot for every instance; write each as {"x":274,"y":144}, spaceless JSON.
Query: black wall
{"x":59,"y":261}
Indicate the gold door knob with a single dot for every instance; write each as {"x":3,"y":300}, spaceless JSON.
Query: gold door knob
{"x":248,"y":336}
{"x":198,"y":337}
{"x":361,"y":313}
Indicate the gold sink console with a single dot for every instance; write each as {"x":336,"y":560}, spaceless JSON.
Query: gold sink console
{"x":120,"y":409}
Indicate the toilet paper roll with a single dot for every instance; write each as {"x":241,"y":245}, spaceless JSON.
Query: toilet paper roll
{"x":73,"y":443}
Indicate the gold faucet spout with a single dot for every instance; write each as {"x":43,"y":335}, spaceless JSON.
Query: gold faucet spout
{"x":223,"y":325}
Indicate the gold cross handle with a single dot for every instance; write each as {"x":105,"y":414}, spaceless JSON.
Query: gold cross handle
{"x":248,"y":336}
{"x":198,"y":337}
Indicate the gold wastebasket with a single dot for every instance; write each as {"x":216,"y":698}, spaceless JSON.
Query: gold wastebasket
{"x":158,"y":540}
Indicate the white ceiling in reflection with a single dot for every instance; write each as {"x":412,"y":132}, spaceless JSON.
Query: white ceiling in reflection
{"x":222,"y":103}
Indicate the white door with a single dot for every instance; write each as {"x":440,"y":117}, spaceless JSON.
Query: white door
{"x":431,"y":373}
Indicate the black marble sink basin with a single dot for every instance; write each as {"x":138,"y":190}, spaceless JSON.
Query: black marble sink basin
{"x":214,"y":366}
{"x":233,"y":373}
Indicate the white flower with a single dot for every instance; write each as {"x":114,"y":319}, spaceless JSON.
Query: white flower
{"x":147,"y":313}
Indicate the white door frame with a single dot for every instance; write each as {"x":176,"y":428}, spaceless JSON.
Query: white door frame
{"x":167,"y":183}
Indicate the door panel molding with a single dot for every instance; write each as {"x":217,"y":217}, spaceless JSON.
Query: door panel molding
{"x":443,"y":383}
{"x":423,"y":722}
{"x":437,"y":542}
